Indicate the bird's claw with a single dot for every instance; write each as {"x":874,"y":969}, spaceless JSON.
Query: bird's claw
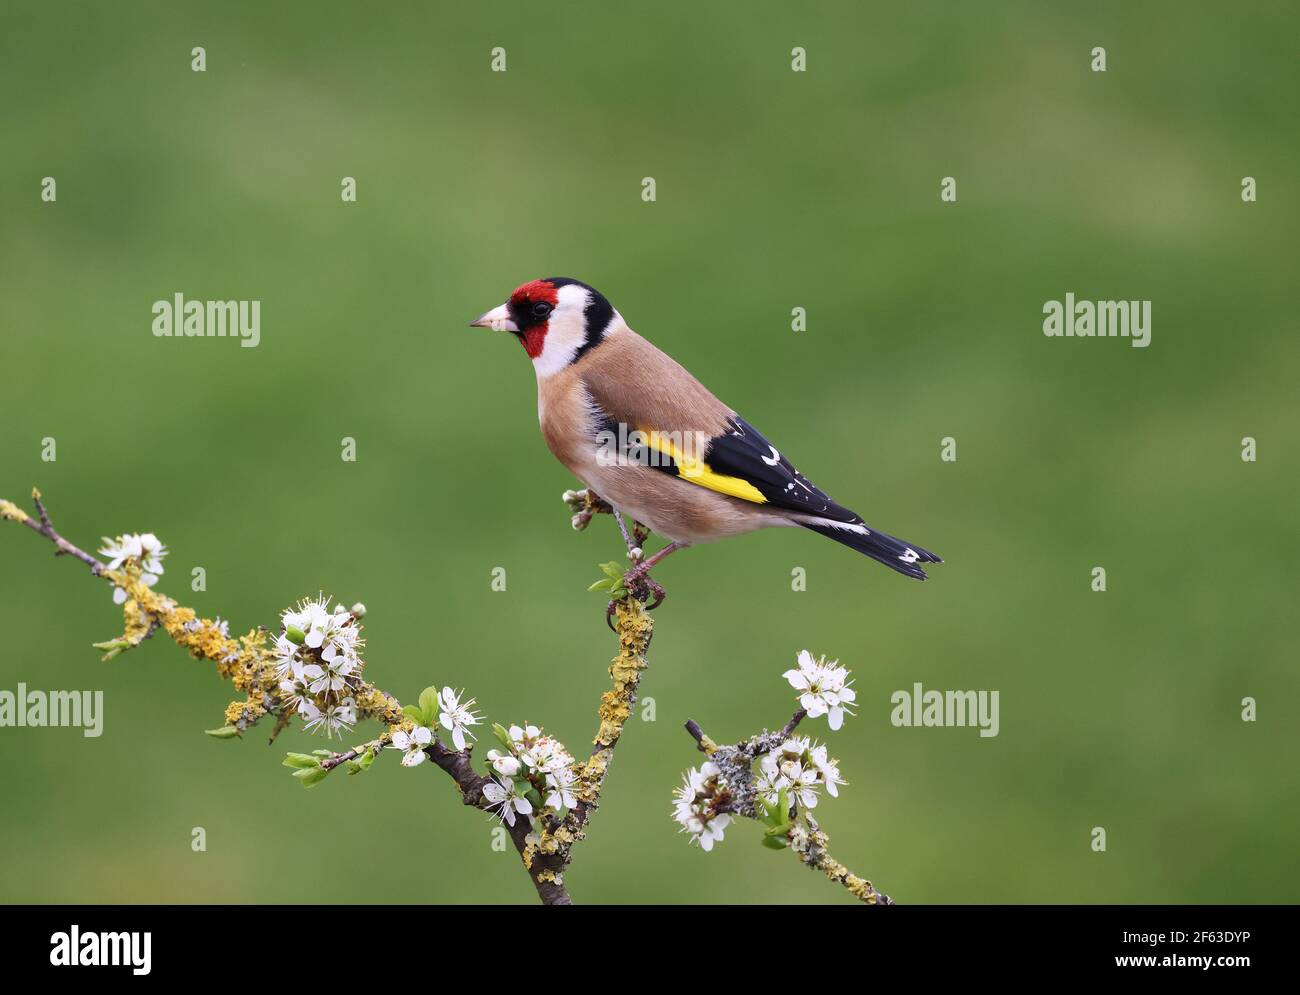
{"x":641,"y":586}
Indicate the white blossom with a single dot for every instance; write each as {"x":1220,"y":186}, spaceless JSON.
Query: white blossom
{"x":504,"y":763}
{"x":505,"y":797}
{"x":792,"y":776}
{"x":823,"y":688}
{"x":286,"y":655}
{"x":326,"y":645}
{"x":332,"y":674}
{"x":521,"y":734}
{"x":143,"y":547}
{"x":456,"y":716}
{"x":827,"y":767}
{"x":801,"y":767}
{"x":336,"y":717}
{"x":539,"y":752}
{"x":295,"y":689}
{"x":152,"y":553}
{"x":559,"y":785}
{"x":331,"y":633}
{"x":412,"y":744}
{"x":696,"y":803}
{"x":535,"y":761}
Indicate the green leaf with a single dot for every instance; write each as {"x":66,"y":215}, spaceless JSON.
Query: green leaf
{"x":300,"y":761}
{"x":775,"y":842}
{"x":782,"y":829}
{"x":295,"y":635}
{"x":322,"y":753}
{"x":429,"y":706}
{"x":503,"y":735}
{"x":353,"y":767}
{"x":605,"y":584}
{"x":225,"y":732}
{"x":367,"y":759}
{"x":311,"y":778}
{"x":612,"y":570}
{"x":413,"y":713}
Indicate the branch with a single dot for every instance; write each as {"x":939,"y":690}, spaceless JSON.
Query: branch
{"x":456,"y":764}
{"x":545,"y":847}
{"x":11,"y":512}
{"x":740,"y":797}
{"x":549,"y":853}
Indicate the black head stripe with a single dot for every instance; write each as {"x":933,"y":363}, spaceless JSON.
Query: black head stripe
{"x":598,"y":312}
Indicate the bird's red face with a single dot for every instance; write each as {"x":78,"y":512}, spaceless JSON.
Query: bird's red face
{"x":531,"y":306}
{"x":556,"y":320}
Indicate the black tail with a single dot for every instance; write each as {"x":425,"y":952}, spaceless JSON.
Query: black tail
{"x":901,"y":556}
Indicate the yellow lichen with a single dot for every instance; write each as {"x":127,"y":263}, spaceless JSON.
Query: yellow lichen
{"x":12,"y":512}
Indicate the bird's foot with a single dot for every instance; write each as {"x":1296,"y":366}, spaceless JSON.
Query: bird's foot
{"x":643,"y":587}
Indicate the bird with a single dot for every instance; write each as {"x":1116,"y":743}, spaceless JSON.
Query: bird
{"x":650,"y":440}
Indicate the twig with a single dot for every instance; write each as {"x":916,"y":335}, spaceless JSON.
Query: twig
{"x":811,"y":844}
{"x":10,"y":511}
{"x":813,"y":852}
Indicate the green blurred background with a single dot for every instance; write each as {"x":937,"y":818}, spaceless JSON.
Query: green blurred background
{"x":775,"y":190}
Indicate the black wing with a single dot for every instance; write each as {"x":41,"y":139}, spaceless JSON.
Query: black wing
{"x":743,"y":452}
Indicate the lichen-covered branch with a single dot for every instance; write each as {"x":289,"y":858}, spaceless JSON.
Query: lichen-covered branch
{"x":303,"y":674}
{"x":776,"y":778}
{"x":548,"y":855}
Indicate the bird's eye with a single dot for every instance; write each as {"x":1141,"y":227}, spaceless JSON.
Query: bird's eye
{"x":541,"y":309}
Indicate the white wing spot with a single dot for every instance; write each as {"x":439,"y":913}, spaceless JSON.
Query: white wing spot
{"x":776,"y":457}
{"x":909,"y":557}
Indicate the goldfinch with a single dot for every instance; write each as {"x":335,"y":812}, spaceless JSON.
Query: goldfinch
{"x":653,"y":442}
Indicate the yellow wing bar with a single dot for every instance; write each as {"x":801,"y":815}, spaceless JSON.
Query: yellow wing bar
{"x":693,"y":468}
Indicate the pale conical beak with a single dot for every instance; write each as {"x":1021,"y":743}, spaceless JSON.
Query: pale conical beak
{"x":498,"y":319}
